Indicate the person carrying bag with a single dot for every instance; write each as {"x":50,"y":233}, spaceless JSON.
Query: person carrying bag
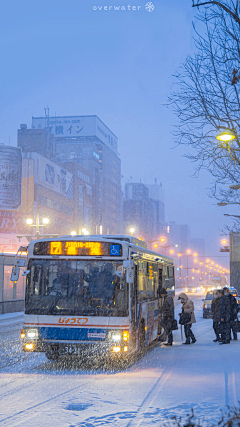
{"x":167,"y":315}
{"x":187,"y":318}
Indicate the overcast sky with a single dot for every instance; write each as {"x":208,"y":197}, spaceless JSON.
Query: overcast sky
{"x":117,"y":64}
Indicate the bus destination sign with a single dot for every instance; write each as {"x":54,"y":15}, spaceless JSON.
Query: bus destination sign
{"x":77,"y":248}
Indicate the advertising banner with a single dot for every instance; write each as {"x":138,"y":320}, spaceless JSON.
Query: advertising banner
{"x":75,"y":126}
{"x":54,"y":177}
{"x":9,"y":243}
{"x":10,"y":177}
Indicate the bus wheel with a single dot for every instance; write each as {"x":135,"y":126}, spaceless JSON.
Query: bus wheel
{"x":142,"y":336}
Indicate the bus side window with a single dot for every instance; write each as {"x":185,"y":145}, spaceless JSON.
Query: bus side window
{"x":159,"y":278}
{"x":142,"y":280}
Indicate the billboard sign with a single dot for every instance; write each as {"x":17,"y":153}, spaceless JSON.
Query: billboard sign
{"x":9,"y":243}
{"x":75,"y":126}
{"x":54,"y":177}
{"x":10,"y":177}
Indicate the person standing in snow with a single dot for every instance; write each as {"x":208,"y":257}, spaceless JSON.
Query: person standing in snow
{"x":215,"y":311}
{"x":225,"y":317}
{"x":168,"y":314}
{"x":233,"y":313}
{"x":188,"y":308}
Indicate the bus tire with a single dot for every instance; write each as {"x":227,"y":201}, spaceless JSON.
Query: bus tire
{"x":142,"y":336}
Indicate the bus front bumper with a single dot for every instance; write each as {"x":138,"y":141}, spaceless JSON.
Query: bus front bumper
{"x":74,"y":348}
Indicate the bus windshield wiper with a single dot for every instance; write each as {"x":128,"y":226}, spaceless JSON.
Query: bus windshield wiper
{"x":55,"y":302}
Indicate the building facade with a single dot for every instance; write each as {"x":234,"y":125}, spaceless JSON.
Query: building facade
{"x":89,"y":142}
{"x":143,"y":213}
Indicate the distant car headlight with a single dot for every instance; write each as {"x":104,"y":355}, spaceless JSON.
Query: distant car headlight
{"x":32,"y":334}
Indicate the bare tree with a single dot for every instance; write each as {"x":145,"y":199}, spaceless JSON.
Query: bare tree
{"x":230,"y":7}
{"x":205,"y":100}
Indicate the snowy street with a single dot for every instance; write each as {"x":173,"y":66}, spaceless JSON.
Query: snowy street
{"x":167,"y":381}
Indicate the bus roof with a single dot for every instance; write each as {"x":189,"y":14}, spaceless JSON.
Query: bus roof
{"x":136,"y":244}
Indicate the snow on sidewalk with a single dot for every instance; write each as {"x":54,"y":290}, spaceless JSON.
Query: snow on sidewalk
{"x":9,"y":318}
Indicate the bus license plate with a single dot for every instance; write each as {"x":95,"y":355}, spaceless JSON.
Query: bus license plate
{"x":70,"y":349}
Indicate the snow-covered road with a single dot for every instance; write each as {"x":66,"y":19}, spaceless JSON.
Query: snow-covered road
{"x":167,"y":381}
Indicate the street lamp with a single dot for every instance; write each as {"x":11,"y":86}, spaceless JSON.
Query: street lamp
{"x":85,"y":232}
{"x":73,"y":233}
{"x":132,"y":230}
{"x":29,"y":222}
{"x":226,"y":135}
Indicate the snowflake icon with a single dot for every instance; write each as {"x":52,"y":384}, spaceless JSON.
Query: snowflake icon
{"x":149,"y":6}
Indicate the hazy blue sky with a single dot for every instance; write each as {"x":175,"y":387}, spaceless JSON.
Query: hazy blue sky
{"x":117,"y":65}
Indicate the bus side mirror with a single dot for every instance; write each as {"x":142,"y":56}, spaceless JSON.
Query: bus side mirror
{"x":129,"y":275}
{"x":25,"y":273}
{"x":15,"y":274}
{"x":126,"y":263}
{"x":119,"y":274}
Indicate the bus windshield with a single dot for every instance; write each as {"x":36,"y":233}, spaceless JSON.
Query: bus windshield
{"x":69,"y":287}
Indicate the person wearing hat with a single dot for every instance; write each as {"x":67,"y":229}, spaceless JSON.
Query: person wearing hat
{"x":188,"y":307}
{"x":167,"y":315}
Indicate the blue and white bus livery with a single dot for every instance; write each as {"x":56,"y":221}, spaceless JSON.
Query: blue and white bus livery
{"x":93,"y":295}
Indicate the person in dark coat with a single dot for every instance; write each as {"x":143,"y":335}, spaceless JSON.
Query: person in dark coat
{"x":215,"y":311}
{"x":167,"y":314}
{"x":233,"y":315}
{"x":224,"y":317}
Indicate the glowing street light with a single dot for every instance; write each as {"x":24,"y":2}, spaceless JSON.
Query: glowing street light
{"x":85,"y":232}
{"x":45,"y":221}
{"x":226,"y":135}
{"x":73,"y":233}
{"x":132,"y":230}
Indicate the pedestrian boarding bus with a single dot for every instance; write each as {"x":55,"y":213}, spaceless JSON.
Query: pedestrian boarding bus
{"x":93,"y":295}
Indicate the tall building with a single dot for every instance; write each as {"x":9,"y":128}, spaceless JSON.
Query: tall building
{"x":156,"y":193}
{"x":235,"y":260}
{"x":143,"y":213}
{"x":179,"y":234}
{"x":87,"y":141}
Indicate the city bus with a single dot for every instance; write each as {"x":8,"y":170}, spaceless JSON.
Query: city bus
{"x":92,"y":295}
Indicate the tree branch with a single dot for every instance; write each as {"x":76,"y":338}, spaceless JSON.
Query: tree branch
{"x":217,"y":3}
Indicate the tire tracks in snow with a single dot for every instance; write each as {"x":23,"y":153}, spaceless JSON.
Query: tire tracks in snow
{"x":34,"y":410}
{"x":230,"y":382}
{"x":155,"y":390}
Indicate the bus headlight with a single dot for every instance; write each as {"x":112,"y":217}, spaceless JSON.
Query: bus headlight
{"x":116,"y":349}
{"x":115,"y":336}
{"x":31,"y":334}
{"x":125,"y":336}
{"x":29,"y":346}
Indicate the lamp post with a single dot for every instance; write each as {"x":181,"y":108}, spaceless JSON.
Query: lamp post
{"x":162,"y":239}
{"x":45,"y":221}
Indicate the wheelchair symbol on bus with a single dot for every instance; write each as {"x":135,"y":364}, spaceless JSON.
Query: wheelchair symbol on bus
{"x":115,"y":250}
